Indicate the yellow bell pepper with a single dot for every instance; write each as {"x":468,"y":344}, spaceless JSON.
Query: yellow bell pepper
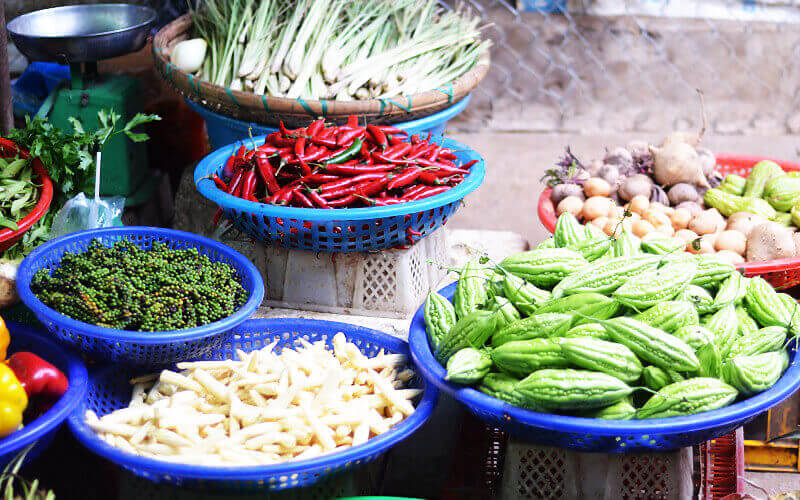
{"x":13,"y":401}
{"x":5,"y":339}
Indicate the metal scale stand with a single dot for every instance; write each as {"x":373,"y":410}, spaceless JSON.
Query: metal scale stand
{"x":80,"y":36}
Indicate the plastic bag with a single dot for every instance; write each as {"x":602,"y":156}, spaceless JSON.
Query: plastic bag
{"x":81,"y":213}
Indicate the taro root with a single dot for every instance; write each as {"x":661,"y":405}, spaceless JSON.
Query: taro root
{"x":638,"y":184}
{"x":682,"y":192}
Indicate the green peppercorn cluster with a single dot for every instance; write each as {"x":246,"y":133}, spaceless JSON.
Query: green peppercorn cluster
{"x":127,"y":287}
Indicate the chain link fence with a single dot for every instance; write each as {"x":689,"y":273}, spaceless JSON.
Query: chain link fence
{"x":635,"y":66}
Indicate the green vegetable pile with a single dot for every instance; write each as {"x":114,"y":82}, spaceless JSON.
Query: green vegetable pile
{"x":768,"y":191}
{"x":596,"y":327}
{"x":126,"y":287}
{"x":18,"y":191}
{"x":69,"y":160}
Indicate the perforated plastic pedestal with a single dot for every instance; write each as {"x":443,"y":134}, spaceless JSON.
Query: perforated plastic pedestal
{"x":390,"y":283}
{"x":544,"y":472}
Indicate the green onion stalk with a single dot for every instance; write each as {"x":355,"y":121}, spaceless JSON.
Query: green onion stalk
{"x":335,"y":49}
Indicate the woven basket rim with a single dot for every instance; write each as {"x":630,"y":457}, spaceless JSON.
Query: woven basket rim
{"x":264,"y":108}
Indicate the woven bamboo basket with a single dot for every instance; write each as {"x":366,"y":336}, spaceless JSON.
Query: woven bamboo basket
{"x":269,"y":110}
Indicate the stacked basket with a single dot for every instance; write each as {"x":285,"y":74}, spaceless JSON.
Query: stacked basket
{"x":128,"y":354}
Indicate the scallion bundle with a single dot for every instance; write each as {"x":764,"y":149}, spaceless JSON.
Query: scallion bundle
{"x":335,"y":49}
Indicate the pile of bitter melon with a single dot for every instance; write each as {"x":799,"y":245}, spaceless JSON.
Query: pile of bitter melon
{"x":591,"y":326}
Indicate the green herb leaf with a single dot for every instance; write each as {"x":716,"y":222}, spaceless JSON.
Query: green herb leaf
{"x":137,"y":137}
{"x":76,"y":125}
{"x":6,"y":222}
{"x":140,"y":119}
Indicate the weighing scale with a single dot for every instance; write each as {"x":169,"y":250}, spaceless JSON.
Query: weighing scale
{"x":81,"y":35}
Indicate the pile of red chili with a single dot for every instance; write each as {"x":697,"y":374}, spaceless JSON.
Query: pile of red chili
{"x":341,"y":167}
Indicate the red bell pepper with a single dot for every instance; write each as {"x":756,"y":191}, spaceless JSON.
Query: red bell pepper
{"x":43,"y":383}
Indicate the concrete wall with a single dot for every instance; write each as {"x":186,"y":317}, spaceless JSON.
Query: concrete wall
{"x":590,"y":74}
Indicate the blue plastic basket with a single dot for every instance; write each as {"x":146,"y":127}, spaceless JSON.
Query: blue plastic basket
{"x":341,"y":229}
{"x":223,"y":130}
{"x":586,"y":434}
{"x":132,"y":347}
{"x":109,"y":390}
{"x":43,"y":429}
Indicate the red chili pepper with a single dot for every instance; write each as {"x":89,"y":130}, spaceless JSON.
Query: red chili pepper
{"x":428,"y":177}
{"x":267,"y":174}
{"x":233,"y":187}
{"x":416,"y":151}
{"x":219,"y":182}
{"x":280,"y":142}
{"x":372,"y":187}
{"x":428,"y":191}
{"x":440,"y":165}
{"x":305,"y":168}
{"x":394,"y":140}
{"x":318,"y":200}
{"x":365,"y":151}
{"x":344,"y":169}
{"x":300,"y":147}
{"x":282,"y":129}
{"x":347,"y":137}
{"x":301,"y":199}
{"x":249,"y":155}
{"x":405,"y":178}
{"x":315,"y":127}
{"x":240,"y":153}
{"x":413,"y":190}
{"x":227,"y":170}
{"x":381,"y":202}
{"x":349,"y":181}
{"x":341,"y":202}
{"x":267,"y":148}
{"x":389,"y":130}
{"x":452,"y":180}
{"x":382,"y":158}
{"x":469,"y":164}
{"x":323,"y":141}
{"x":339,"y":192}
{"x":248,"y":185}
{"x":314,"y":155}
{"x":322,"y":178}
{"x":352,"y":121}
{"x":433,"y":154}
{"x":416,"y":139}
{"x":285,"y":194}
{"x":397,"y":150}
{"x":43,"y":383}
{"x":378,"y":136}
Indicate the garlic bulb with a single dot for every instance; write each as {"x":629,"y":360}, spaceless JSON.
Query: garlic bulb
{"x":188,"y":55}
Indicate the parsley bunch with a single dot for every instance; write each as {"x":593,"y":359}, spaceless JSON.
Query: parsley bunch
{"x":69,"y":159}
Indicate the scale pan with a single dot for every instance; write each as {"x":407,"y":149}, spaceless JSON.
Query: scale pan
{"x":81,"y":33}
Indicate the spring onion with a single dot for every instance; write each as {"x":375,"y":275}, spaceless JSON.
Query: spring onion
{"x":335,"y":49}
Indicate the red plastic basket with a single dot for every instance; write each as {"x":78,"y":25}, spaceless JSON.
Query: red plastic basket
{"x":781,"y":274}
{"x":9,"y":236}
{"x":723,"y":466}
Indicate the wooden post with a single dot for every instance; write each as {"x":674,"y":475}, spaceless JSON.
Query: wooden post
{"x":6,"y":110}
